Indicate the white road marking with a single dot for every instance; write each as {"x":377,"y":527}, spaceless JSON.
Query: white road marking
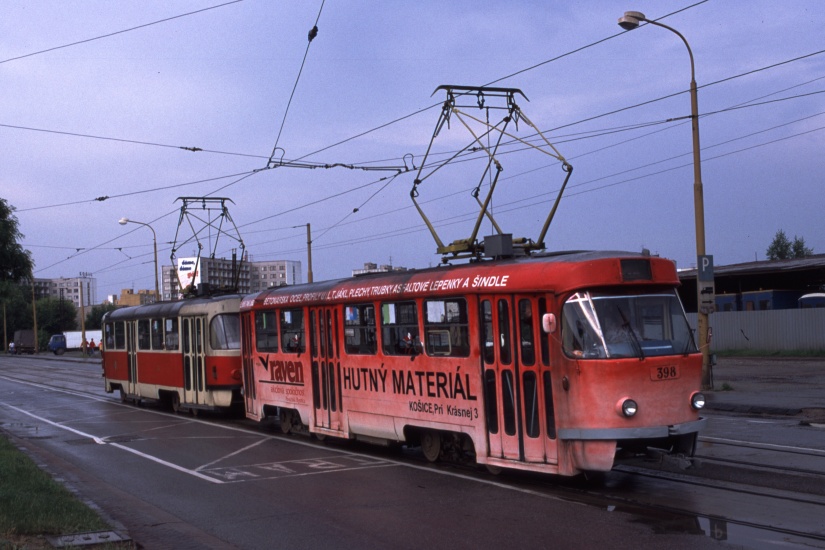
{"x":100,"y":441}
{"x":292,"y":441}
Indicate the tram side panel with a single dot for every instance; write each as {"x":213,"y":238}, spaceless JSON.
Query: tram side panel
{"x":385,"y":379}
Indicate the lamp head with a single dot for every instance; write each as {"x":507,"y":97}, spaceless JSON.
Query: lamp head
{"x":631,"y":19}
{"x":123,"y":221}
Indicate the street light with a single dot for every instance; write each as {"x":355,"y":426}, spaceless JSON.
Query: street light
{"x":124,"y":221}
{"x":630,"y":21}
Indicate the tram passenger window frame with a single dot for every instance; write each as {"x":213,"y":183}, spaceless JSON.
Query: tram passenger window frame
{"x":108,"y":336}
{"x":399,"y":328}
{"x":120,"y":335}
{"x":266,"y":330}
{"x":144,"y":341}
{"x":446,"y":329}
{"x":225,"y":332}
{"x":156,"y":334}
{"x":359,"y":330}
{"x":293,"y":331}
{"x":171,"y":338}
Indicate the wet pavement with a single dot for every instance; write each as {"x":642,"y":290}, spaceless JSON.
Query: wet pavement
{"x":773,"y":386}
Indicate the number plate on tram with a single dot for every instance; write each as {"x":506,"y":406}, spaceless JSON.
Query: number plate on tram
{"x":665,"y":372}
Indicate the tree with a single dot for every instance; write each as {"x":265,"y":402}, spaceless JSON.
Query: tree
{"x":55,"y":316}
{"x":16,"y":264}
{"x":799,"y":249}
{"x":94,"y":319}
{"x":781,"y":248}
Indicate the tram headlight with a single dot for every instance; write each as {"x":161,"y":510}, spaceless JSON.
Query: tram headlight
{"x":627,"y":407}
{"x":697,"y":400}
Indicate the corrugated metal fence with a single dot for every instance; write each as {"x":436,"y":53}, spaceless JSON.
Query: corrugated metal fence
{"x":772,"y":330}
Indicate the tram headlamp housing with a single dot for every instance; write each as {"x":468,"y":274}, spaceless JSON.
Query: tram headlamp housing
{"x":627,"y":407}
{"x":697,"y":400}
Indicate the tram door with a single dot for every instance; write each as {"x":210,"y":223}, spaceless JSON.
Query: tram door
{"x":131,"y":351}
{"x":248,"y":362}
{"x":326,"y":367}
{"x":513,"y":360}
{"x":194,"y":359}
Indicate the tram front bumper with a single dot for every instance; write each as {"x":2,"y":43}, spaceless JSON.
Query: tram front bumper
{"x":616,"y":434}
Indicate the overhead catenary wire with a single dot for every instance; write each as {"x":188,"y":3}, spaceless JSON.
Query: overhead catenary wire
{"x":108,"y":35}
{"x":668,"y":96}
{"x":310,"y":37}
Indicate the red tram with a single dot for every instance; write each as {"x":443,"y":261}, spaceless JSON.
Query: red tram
{"x":185,"y":353}
{"x":556,"y":363}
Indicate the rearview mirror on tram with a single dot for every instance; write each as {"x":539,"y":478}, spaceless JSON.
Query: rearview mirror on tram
{"x":548,"y":323}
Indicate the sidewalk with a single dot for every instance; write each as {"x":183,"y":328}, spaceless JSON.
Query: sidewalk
{"x":769,"y":386}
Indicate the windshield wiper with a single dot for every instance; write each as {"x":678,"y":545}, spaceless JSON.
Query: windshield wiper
{"x":629,"y":329}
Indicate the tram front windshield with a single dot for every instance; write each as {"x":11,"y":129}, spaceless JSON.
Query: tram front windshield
{"x":604,"y":326}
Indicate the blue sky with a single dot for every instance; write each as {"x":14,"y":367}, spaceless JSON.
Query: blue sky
{"x":112,"y":116}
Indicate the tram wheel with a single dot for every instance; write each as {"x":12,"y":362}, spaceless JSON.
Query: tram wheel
{"x":319,"y":437}
{"x":285,"y":417}
{"x":175,"y":402}
{"x":431,"y":445}
{"x":123,"y":398}
{"x":494,"y":470}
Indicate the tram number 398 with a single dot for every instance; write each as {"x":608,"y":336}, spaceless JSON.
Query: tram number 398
{"x":668,"y":372}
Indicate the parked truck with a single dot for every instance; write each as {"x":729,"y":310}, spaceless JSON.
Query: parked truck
{"x":24,"y":341}
{"x":59,"y":343}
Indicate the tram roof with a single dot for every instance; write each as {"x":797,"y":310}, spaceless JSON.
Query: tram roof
{"x":521,"y":279}
{"x":170,"y":309}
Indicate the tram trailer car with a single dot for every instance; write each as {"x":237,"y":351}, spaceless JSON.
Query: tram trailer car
{"x":557,"y":363}
{"x":185,"y":353}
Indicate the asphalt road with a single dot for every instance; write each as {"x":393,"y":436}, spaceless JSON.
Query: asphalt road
{"x":173,"y":481}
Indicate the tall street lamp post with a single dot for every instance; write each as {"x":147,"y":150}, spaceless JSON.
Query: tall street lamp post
{"x":630,"y":21}
{"x":124,"y":221}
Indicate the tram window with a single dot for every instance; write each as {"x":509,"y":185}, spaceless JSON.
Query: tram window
{"x":143,"y":334}
{"x":109,"y":336}
{"x":531,"y":404}
{"x":504,"y":331}
{"x":120,"y":335}
{"x":488,"y":343}
{"x":549,"y":411}
{"x":445,"y":328}
{"x":599,"y":326}
{"x":157,"y":334}
{"x":544,"y":339}
{"x":508,"y":401}
{"x":359,"y":330}
{"x":292,"y":331}
{"x":399,"y":328}
{"x":490,"y":400}
{"x":526,"y":341}
{"x":266,"y":331}
{"x":172,"y":338}
{"x":225,"y":331}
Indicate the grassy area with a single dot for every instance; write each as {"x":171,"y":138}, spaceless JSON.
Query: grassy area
{"x":33,"y":505}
